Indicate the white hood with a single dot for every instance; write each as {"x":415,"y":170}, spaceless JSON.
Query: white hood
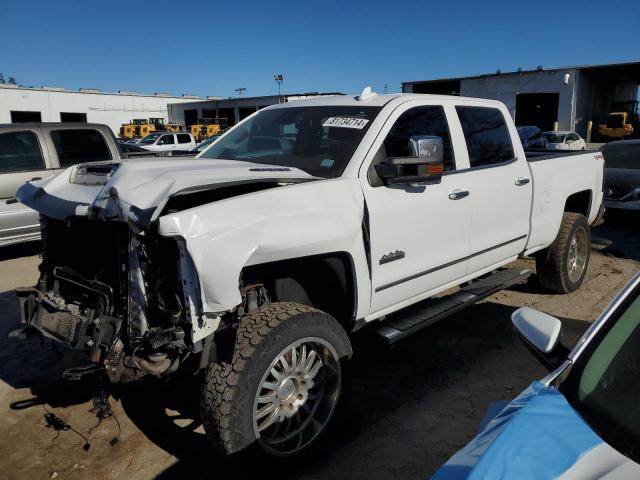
{"x":135,"y":191}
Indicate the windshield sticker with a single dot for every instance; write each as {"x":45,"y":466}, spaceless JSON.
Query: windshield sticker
{"x":327,"y":163}
{"x":346,"y":122}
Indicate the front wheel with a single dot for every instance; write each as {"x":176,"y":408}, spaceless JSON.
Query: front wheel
{"x":283,"y":385}
{"x":563,"y":266}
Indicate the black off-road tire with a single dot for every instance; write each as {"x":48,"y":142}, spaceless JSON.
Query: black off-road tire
{"x":551,"y":263}
{"x":229,"y":389}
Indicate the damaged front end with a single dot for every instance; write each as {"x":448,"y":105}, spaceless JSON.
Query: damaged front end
{"x":118,"y":278}
{"x":129,"y":300}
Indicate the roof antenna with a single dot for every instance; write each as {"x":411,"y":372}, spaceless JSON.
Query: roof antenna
{"x":366,"y":94}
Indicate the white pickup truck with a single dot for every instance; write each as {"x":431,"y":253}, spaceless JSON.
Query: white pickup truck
{"x":256,"y":260}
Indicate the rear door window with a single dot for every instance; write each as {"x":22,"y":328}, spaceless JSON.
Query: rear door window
{"x":184,"y":138}
{"x":76,"y":146}
{"x":486,"y":135}
{"x":20,"y":151}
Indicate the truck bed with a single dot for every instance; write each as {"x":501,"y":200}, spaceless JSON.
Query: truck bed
{"x":557,"y":177}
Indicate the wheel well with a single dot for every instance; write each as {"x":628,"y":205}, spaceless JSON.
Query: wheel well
{"x":579,"y":202}
{"x":326,"y":282}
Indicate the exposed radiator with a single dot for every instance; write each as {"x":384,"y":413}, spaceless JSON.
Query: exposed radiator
{"x":62,"y":324}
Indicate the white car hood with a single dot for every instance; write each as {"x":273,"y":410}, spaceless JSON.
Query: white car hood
{"x":135,"y":191}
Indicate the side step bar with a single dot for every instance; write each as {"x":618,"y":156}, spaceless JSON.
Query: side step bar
{"x":401,"y":324}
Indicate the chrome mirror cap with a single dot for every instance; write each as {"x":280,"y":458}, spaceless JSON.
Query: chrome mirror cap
{"x":427,"y":147}
{"x":542,"y":331}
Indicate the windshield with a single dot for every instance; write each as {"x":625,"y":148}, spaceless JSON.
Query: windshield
{"x":603,"y":384}
{"x":622,"y":155}
{"x":149,"y":139}
{"x":318,"y":140}
{"x":202,"y":145}
{"x":555,"y":137}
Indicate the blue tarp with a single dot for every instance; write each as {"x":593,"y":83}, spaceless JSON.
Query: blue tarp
{"x":536,"y":436}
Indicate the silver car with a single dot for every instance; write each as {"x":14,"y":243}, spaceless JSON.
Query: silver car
{"x":30,"y":151}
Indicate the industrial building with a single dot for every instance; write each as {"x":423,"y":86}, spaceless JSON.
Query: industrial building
{"x":52,"y":104}
{"x":233,"y":109}
{"x":565,"y":98}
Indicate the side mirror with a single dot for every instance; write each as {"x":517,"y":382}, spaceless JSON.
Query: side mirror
{"x":425,"y":165}
{"x":541,"y":334}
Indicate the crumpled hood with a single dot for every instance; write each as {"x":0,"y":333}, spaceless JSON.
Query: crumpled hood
{"x":135,"y":191}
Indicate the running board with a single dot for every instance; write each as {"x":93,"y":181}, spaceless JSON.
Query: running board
{"x":399,"y":325}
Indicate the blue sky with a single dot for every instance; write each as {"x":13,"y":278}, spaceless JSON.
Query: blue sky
{"x":212,"y":48}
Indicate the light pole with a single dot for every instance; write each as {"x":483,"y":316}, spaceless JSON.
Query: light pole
{"x":240,"y":91}
{"x":279,"y":78}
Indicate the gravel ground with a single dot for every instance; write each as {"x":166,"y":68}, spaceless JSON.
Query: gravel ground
{"x":411,"y":407}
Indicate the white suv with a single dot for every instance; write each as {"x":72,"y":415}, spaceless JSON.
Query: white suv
{"x":166,"y":142}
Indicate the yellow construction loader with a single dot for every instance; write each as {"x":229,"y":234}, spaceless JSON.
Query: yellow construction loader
{"x":174,"y":127}
{"x":128,"y":130}
{"x":622,"y":122}
{"x":208,"y":127}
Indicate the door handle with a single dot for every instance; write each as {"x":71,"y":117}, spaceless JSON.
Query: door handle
{"x":520,"y":181}
{"x":35,"y":178}
{"x":458,"y":194}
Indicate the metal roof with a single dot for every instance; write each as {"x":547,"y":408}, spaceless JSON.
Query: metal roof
{"x":93,"y":91}
{"x":522,"y":71}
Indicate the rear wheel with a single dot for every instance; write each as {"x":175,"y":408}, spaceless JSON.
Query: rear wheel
{"x":283,"y":385}
{"x":563,"y":266}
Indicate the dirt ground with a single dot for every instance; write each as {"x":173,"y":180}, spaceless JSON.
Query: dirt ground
{"x":411,"y":407}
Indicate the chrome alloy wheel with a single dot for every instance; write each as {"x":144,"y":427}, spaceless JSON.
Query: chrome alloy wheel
{"x":577,"y":257}
{"x":297,"y":396}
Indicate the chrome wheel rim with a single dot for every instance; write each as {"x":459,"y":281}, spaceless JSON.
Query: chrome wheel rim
{"x":296,"y":396}
{"x":577,"y":257}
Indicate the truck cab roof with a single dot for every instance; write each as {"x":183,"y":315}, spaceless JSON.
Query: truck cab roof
{"x":377,"y":100}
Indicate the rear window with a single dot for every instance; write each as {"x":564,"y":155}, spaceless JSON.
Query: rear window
{"x":486,"y":134}
{"x":76,"y":146}
{"x":20,"y":151}
{"x":622,"y":155}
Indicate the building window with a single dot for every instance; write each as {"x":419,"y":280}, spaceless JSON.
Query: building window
{"x":24,"y":117}
{"x":73,"y":117}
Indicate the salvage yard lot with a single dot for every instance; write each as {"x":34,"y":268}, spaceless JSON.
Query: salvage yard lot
{"x":411,"y":407}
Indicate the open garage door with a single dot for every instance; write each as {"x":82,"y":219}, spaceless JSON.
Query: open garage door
{"x":229,"y":114}
{"x":190,"y":117}
{"x":537,"y":109}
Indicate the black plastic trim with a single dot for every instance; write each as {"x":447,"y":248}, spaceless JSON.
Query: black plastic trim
{"x":481,"y":167}
{"x":448,"y":264}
